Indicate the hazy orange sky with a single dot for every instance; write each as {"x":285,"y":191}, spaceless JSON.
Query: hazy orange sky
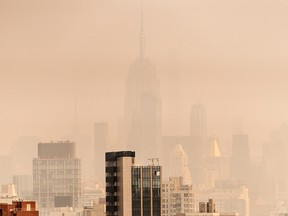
{"x":230,"y":55}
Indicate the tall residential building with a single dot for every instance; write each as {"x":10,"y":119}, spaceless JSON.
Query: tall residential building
{"x":142,"y":117}
{"x":100,"y":147}
{"x":198,"y":127}
{"x":240,"y":158}
{"x":177,"y":197}
{"x":131,"y":190}
{"x":56,"y":176}
{"x":178,"y":166}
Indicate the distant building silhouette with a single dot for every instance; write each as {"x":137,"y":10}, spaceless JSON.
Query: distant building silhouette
{"x":6,"y":167}
{"x":229,"y":196}
{"x":198,"y":126}
{"x":191,"y":147}
{"x":24,"y":185}
{"x":142,"y":117}
{"x":131,"y":190}
{"x":178,"y":166}
{"x":216,"y":165}
{"x":23,"y":152}
{"x":100,"y":147}
{"x":56,"y":176}
{"x":240,"y":158}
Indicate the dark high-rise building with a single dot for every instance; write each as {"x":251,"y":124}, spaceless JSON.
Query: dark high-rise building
{"x":131,"y":190}
{"x":240,"y":159}
{"x":56,"y":176}
{"x":100,"y":146}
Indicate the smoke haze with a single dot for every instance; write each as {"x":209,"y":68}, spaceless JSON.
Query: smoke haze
{"x":229,"y":55}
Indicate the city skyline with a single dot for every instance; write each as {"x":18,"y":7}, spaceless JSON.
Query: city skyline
{"x":196,"y":89}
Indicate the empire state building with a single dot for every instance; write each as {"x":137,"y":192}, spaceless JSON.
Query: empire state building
{"x":143,"y":107}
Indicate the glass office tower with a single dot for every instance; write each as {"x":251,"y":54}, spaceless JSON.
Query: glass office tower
{"x":146,"y":190}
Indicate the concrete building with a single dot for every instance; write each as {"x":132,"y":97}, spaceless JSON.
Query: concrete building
{"x":98,"y":208}
{"x":131,"y":190}
{"x":177,"y":197}
{"x":56,"y":176}
{"x":19,"y":208}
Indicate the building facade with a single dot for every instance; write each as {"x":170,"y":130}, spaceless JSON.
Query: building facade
{"x":56,"y":176}
{"x":19,"y":208}
{"x":177,"y":197}
{"x":131,"y":190}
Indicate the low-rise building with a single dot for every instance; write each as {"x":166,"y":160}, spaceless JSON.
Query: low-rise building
{"x":19,"y":208}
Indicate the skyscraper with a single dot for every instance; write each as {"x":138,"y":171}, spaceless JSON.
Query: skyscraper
{"x":131,"y":190}
{"x":142,"y":117}
{"x":56,"y":176}
{"x":100,"y":146}
{"x":198,"y":126}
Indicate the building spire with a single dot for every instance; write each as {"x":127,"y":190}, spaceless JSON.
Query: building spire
{"x":141,"y":35}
